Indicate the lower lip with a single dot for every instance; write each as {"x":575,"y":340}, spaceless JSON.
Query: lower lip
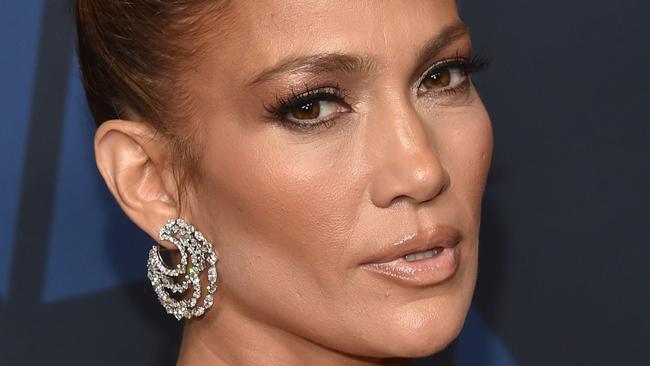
{"x":423,"y":272}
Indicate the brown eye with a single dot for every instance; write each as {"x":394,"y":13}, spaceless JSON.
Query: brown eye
{"x":314,"y":110}
{"x":439,"y":79}
{"x":309,"y":110}
{"x":445,"y":78}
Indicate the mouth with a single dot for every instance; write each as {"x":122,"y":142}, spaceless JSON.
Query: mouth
{"x":423,"y":255}
{"x":428,"y":257}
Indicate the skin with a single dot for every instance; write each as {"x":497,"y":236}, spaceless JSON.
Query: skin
{"x":293,"y":213}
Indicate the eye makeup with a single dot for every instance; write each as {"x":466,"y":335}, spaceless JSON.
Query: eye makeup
{"x":305,"y":102}
{"x":443,"y":73}
{"x":302,"y":109}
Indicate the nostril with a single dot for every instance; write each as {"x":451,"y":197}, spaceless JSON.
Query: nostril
{"x":399,"y":199}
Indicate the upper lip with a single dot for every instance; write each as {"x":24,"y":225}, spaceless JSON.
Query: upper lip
{"x":438,"y":236}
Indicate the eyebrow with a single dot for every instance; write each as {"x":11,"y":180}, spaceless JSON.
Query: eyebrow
{"x":315,"y":64}
{"x":441,"y":41}
{"x":348,"y":63}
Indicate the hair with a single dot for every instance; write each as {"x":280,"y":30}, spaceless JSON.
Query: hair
{"x":132,"y":56}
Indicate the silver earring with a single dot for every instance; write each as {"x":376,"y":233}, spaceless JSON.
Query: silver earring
{"x":191,"y":245}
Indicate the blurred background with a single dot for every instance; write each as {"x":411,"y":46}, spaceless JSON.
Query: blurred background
{"x":565,"y":250}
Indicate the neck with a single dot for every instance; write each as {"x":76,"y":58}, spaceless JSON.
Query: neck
{"x":224,"y":337}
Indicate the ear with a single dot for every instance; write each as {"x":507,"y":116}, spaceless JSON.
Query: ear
{"x":135,"y":163}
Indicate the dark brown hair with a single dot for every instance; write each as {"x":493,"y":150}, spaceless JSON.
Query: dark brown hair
{"x":133,"y":54}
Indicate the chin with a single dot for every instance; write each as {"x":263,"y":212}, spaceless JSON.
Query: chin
{"x":428,"y":335}
{"x":430,"y":343}
{"x":427,"y":326}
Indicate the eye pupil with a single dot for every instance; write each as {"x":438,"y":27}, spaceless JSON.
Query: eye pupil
{"x":309,"y":110}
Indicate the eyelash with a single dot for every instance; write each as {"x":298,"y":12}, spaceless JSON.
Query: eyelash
{"x":282,"y":106}
{"x":468,"y":66}
{"x":334,"y":93}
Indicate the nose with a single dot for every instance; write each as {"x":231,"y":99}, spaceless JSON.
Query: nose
{"x":407,"y":166}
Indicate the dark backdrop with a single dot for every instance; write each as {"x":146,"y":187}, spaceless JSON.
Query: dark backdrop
{"x":565,"y":241}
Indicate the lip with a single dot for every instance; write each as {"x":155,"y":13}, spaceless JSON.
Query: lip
{"x":389,"y":260}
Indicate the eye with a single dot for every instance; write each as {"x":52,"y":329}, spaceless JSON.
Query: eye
{"x":448,"y":76}
{"x":313,"y":110}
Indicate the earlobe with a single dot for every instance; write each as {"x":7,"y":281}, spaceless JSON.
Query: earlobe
{"x":135,"y":165}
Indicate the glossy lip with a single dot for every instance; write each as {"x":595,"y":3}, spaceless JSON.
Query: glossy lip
{"x":390,"y":262}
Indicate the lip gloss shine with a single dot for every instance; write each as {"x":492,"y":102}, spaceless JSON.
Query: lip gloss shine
{"x":422,"y":272}
{"x":427,"y":257}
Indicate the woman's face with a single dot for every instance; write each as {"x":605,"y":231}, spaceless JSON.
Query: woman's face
{"x":337,"y":137}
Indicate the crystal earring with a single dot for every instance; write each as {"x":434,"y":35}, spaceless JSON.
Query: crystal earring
{"x":166,"y":281}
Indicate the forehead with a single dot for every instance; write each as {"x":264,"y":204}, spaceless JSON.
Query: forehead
{"x":265,"y":31}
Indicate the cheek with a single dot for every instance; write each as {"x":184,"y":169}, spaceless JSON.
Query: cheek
{"x":293,"y":200}
{"x":466,"y":152}
{"x":283,"y":213}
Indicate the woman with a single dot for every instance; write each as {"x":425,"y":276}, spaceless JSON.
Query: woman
{"x":333,"y":154}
